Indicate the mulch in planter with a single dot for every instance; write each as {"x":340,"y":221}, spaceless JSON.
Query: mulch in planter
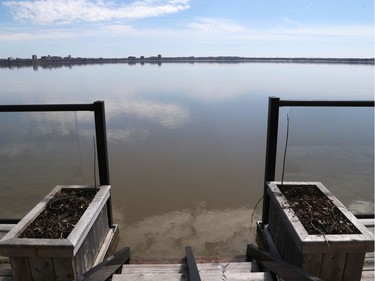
{"x":61,"y":215}
{"x":315,"y":211}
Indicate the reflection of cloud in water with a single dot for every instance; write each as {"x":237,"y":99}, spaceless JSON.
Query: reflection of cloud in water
{"x":120,"y":135}
{"x":210,"y":232}
{"x":168,"y":115}
{"x":38,"y":127}
{"x":361,"y":207}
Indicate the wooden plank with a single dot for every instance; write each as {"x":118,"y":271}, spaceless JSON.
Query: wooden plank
{"x":255,"y":276}
{"x":63,"y":269}
{"x":100,"y":234}
{"x":153,"y":268}
{"x":27,"y":247}
{"x":106,"y":268}
{"x":103,"y":224}
{"x":5,"y":271}
{"x":6,"y":227}
{"x":312,"y":263}
{"x":226,"y":267}
{"x":317,"y":244}
{"x":284,"y":269}
{"x":353,"y":267}
{"x":369,"y":262}
{"x":6,"y":278}
{"x":367,"y":222}
{"x":20,"y":269}
{"x":80,"y":231}
{"x":103,"y":251}
{"x":330,"y":268}
{"x":83,"y":260}
{"x":42,"y":269}
{"x":150,"y":277}
{"x":368,"y":276}
{"x":94,"y":238}
{"x":267,"y":235}
{"x":4,"y":259}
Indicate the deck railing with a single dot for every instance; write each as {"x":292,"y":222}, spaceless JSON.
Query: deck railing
{"x":274,"y":104}
{"x":100,"y":131}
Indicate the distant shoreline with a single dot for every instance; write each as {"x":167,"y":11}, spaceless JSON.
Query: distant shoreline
{"x":56,"y":61}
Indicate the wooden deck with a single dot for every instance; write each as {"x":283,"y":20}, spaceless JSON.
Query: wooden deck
{"x":216,"y":270}
{"x":368,"y":273}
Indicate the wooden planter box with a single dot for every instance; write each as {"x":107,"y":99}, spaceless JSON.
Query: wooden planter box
{"x":58,"y":259}
{"x":330,"y":257}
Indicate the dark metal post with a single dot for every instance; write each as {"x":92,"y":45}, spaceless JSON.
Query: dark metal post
{"x":101,"y":142}
{"x":193,"y":272}
{"x":271,"y":150}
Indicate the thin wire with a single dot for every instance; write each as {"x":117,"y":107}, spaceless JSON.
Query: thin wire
{"x":286,"y":147}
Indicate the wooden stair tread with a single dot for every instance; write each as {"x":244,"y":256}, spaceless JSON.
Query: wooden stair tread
{"x":149,"y":277}
{"x":233,"y":271}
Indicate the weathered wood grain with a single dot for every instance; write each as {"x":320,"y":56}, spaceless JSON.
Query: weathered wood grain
{"x":59,"y":259}
{"x":328,"y":256}
{"x":41,"y":269}
{"x":81,"y":230}
{"x":20,"y":269}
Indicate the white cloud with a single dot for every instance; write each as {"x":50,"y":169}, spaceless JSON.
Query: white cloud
{"x":216,"y":25}
{"x":42,"y":34}
{"x":70,"y":11}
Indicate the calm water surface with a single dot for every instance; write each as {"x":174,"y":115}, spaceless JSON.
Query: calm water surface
{"x":186,"y":144}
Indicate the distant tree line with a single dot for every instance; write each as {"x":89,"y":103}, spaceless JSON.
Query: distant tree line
{"x":57,"y":61}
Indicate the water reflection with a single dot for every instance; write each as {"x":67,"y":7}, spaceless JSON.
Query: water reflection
{"x":178,"y":135}
{"x":118,"y":136}
{"x":212,"y":232}
{"x":37,"y":152}
{"x":167,"y":115}
{"x":38,"y":127}
{"x":334,"y":146}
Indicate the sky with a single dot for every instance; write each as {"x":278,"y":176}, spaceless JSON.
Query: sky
{"x":250,"y":28}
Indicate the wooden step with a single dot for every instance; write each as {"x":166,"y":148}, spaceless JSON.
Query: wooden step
{"x":238,"y":271}
{"x":252,"y":276}
{"x":149,"y":277}
{"x":5,"y":228}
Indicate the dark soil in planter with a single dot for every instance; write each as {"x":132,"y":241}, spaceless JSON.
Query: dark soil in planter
{"x":316,"y":212}
{"x":60,"y":216}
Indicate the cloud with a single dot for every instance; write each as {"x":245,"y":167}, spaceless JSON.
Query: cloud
{"x":306,"y":7}
{"x":40,"y":34}
{"x":69,"y":11}
{"x":216,"y":25}
{"x":289,"y":20}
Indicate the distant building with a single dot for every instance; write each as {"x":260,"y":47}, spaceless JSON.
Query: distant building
{"x":34,"y":57}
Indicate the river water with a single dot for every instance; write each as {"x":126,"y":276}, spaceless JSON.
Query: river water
{"x":186,"y":144}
